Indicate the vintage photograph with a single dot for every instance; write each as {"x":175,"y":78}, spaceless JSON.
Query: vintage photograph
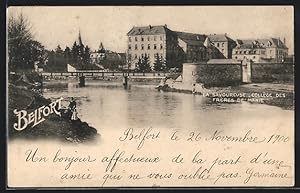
{"x":150,"y":96}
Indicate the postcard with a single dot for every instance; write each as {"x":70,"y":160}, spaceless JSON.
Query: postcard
{"x":150,"y":96}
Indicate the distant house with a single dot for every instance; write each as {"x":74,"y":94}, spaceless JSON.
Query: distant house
{"x":223,"y":43}
{"x":107,"y":58}
{"x":98,"y":55}
{"x":261,"y":50}
{"x":192,"y":46}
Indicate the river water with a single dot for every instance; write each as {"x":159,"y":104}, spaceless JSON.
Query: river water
{"x":107,"y":105}
{"x":112,"y":110}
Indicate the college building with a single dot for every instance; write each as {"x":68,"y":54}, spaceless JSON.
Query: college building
{"x":261,"y":50}
{"x":172,"y":47}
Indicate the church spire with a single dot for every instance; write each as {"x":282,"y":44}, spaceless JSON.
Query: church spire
{"x":79,"y":39}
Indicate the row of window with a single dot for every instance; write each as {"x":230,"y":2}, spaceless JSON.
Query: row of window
{"x":142,"y":46}
{"x":148,"y":38}
{"x":246,"y":52}
{"x":245,"y":57}
{"x":144,"y":55}
{"x":218,"y":44}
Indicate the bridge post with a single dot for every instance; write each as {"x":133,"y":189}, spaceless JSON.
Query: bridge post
{"x":125,"y":80}
{"x":81,"y":81}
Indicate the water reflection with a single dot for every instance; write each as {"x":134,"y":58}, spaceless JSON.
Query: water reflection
{"x":109,"y":105}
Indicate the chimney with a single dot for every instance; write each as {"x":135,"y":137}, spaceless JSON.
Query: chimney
{"x":150,"y":26}
{"x":166,"y":26}
{"x":284,"y":40}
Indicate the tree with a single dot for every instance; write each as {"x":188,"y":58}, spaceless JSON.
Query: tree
{"x":158,"y":65}
{"x":138,"y":64}
{"x":67,"y":54}
{"x":75,"y":53}
{"x":23,"y":50}
{"x":144,"y":65}
{"x":86,"y":57}
{"x":164,"y":66}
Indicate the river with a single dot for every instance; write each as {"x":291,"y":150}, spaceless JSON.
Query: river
{"x":107,"y":105}
{"x":113,"y":110}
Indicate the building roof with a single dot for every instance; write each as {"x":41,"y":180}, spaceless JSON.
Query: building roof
{"x":260,"y":43}
{"x":223,"y":61}
{"x":191,"y":38}
{"x":219,"y":38}
{"x":148,"y":30}
{"x":86,"y":67}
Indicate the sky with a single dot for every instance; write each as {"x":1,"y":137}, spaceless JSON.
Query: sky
{"x":54,"y":26}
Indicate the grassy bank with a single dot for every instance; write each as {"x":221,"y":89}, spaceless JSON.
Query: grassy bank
{"x":23,"y":98}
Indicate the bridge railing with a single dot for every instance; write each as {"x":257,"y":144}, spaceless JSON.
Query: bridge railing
{"x":103,"y":74}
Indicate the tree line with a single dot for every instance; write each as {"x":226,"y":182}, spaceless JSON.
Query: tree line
{"x":160,"y":64}
{"x":58,"y":58}
{"x":23,"y":49}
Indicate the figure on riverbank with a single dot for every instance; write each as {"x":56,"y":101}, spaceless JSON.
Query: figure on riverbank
{"x":72,"y":109}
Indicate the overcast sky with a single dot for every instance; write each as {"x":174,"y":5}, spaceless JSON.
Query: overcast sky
{"x":109,"y":24}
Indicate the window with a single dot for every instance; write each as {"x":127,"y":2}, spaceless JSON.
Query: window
{"x":142,"y":46}
{"x":245,"y":52}
{"x":148,"y":46}
{"x":129,"y":39}
{"x":129,"y":47}
{"x":136,"y":39}
{"x":142,"y":39}
{"x":136,"y":47}
{"x":218,"y":44}
{"x":222,"y":44}
{"x":241,"y":52}
{"x":236,"y":52}
{"x":135,"y":56}
{"x":254,"y":52}
{"x":154,"y":38}
{"x":253,"y":57}
{"x":154,"y":46}
{"x":222,"y":50}
{"x":244,"y":56}
{"x":236,"y":57}
{"x":148,"y":38}
{"x":142,"y":55}
{"x":161,"y":46}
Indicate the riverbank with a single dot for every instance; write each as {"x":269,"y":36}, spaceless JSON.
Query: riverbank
{"x":54,"y":126}
{"x":280,"y":94}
